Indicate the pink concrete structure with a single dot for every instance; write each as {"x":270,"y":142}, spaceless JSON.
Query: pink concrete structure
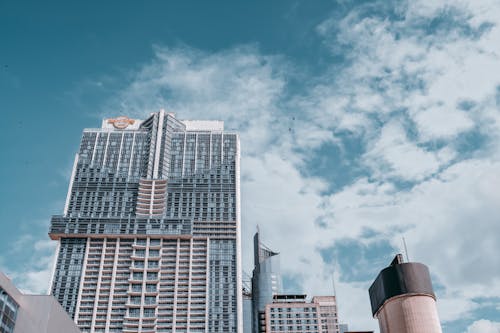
{"x":403,"y":300}
{"x":409,"y":313}
{"x":22,"y":313}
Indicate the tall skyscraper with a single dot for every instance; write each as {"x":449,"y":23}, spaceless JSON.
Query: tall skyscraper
{"x":266,"y":281}
{"x":149,"y":240}
{"x":403,"y":300}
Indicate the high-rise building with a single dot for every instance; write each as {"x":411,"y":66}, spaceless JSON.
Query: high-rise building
{"x":266,"y":281}
{"x":343,"y":328}
{"x":247,"y":311}
{"x":292,"y":313}
{"x":149,"y":240}
{"x":403,"y":300}
{"x":22,"y":313}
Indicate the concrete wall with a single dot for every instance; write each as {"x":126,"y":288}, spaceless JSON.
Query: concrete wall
{"x":38,"y":313}
{"x":43,"y":314}
{"x":409,"y":314}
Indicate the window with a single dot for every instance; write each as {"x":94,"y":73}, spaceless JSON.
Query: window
{"x":8,"y":312}
{"x":149,"y":313}
{"x":150,"y":287}
{"x":154,"y":253}
{"x":135,"y":313}
{"x":135,"y":300}
{"x":150,"y":300}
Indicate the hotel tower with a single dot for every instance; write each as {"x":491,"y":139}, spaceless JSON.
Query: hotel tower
{"x":149,"y":240}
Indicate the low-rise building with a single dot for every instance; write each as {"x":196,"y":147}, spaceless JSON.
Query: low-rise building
{"x":20,"y":313}
{"x":293,"y":313}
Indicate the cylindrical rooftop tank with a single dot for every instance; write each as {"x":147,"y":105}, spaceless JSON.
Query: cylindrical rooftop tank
{"x":403,"y":300}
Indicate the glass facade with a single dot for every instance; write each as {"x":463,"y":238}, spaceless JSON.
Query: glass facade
{"x":266,"y":282}
{"x":8,"y":312}
{"x":149,"y":238}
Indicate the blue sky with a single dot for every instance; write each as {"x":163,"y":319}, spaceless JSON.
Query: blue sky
{"x":361,"y":122}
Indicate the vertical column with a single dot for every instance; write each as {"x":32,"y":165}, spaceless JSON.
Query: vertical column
{"x":176,"y":284}
{"x":190,"y":282}
{"x":82,"y":279}
{"x":207,"y":286}
{"x":239,"y":287}
{"x":159,"y":136}
{"x":112,"y":287}
{"x":98,"y":288}
{"x":183,"y":155}
{"x":105,"y":150}
{"x":195,"y":150}
{"x":119,"y":154}
{"x":210,"y":152}
{"x":131,"y":156}
{"x":70,"y":187}
{"x":95,"y":146}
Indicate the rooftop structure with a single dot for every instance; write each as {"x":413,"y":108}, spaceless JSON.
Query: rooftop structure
{"x":403,"y":300}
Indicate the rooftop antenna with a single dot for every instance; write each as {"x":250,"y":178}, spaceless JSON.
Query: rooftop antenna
{"x":333,"y":284}
{"x":406,"y":250}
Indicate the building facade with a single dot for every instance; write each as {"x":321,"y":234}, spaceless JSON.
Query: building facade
{"x":20,"y":313}
{"x":266,"y":281}
{"x":292,"y":313}
{"x":149,"y":240}
{"x":403,"y":300}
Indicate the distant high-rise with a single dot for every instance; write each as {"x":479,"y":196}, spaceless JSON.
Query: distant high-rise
{"x":149,"y":240}
{"x":292,"y":313}
{"x":403,"y":300}
{"x":266,"y":281}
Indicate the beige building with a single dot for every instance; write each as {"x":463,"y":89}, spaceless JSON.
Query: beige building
{"x":403,"y":300}
{"x":20,"y":313}
{"x":292,"y":313}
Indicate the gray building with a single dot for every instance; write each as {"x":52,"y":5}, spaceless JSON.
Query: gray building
{"x":247,"y":311}
{"x":266,"y":282}
{"x":20,"y":313}
{"x":149,"y":239}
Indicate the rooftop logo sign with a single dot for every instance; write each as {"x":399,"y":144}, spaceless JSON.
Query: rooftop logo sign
{"x":121,"y":122}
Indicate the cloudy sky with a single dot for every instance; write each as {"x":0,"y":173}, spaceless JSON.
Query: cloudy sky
{"x":361,"y":122}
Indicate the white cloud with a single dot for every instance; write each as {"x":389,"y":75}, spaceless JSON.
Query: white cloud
{"x":398,"y":77}
{"x":394,"y":155}
{"x":484,"y":326}
{"x":33,"y":275}
{"x":439,"y":122}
